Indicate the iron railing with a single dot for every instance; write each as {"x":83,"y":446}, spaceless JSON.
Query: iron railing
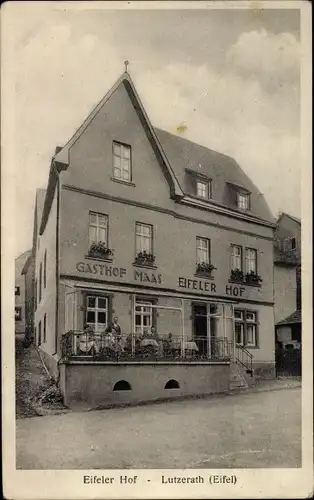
{"x":245,"y":358}
{"x":102,"y":347}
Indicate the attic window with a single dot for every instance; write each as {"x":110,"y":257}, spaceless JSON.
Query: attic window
{"x":243,"y":200}
{"x":122,"y":162}
{"x":203,"y":189}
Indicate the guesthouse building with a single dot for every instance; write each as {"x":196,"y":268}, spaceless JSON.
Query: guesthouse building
{"x":158,"y":231}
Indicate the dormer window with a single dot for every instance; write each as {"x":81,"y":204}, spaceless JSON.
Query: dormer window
{"x":122,"y":162}
{"x":203,"y":189}
{"x":243,"y":201}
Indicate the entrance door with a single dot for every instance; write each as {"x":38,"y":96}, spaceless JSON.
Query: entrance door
{"x":199,"y":315}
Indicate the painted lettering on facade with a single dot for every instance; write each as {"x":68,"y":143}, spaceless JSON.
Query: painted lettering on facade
{"x":197,"y":285}
{"x":117,"y":272}
{"x":235,"y":291}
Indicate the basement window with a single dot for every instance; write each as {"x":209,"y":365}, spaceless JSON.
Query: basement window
{"x":172,"y":384}
{"x":122,"y":385}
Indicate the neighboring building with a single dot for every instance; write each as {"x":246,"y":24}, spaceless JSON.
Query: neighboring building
{"x":287,"y":278}
{"x":159,"y":231}
{"x":20,"y":293}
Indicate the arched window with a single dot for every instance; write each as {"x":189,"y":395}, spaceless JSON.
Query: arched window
{"x":122,"y":385}
{"x":172,"y":384}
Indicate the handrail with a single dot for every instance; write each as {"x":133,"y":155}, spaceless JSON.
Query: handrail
{"x":248,"y":362}
{"x":99,"y":345}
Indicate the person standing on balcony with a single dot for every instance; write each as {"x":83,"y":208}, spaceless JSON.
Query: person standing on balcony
{"x":114,"y":328}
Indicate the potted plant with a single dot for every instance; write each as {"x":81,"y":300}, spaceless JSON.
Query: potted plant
{"x":145,"y":258}
{"x":252,"y":278}
{"x":205,"y":268}
{"x":100,"y":250}
{"x":237,"y":276}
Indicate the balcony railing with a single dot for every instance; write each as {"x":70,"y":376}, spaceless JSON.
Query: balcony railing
{"x":102,"y":347}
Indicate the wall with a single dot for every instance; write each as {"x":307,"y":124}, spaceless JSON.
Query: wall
{"x":92,"y":385}
{"x":285,"y":291}
{"x":91,"y":164}
{"x":47,"y":305}
{"x":29,"y":299}
{"x":20,"y":299}
{"x":170,"y":234}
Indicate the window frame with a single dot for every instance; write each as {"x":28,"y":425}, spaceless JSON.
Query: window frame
{"x":245,"y":322}
{"x":123,"y":146}
{"x":98,"y":310}
{"x":208,"y":241}
{"x":45,"y":268}
{"x":141,"y":302}
{"x":207,"y":190}
{"x":150,"y":238}
{"x":246,"y":260}
{"x":233,"y":246}
{"x":19,"y":310}
{"x":40,"y":282}
{"x":246,"y":196}
{"x":45,"y":329}
{"x":98,"y":215}
{"x":39,"y":333}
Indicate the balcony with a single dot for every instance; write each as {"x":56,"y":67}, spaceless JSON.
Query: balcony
{"x":80,"y":345}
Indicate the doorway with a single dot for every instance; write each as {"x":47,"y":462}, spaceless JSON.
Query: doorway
{"x":199,"y":316}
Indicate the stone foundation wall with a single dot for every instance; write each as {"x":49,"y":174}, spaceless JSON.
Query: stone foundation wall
{"x":93,"y":384}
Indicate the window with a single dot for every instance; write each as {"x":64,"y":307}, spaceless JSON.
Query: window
{"x":143,"y":316}
{"x":243,"y":201}
{"x":45,"y":269}
{"x":236,"y":257}
{"x":97,"y":312}
{"x":98,"y":228}
{"x":202,"y":250}
{"x":245,"y":327}
{"x":250,"y":260}
{"x":45,"y":328}
{"x":17,"y":290}
{"x":18,"y":314}
{"x":40,"y":281}
{"x":122,"y":162}
{"x":203,"y":189}
{"x":143,"y":238}
{"x":39,"y":333}
{"x":289,"y":244}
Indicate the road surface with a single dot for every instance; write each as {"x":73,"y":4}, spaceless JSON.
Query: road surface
{"x":244,"y":430}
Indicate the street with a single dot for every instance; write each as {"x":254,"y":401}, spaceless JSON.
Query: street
{"x":244,"y":430}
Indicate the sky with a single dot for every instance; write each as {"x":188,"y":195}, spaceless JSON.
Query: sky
{"x":229,"y":79}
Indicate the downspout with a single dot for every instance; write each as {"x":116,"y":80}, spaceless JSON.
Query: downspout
{"x":57,"y":261}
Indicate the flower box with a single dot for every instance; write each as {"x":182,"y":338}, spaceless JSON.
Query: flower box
{"x":204,"y":269}
{"x":253,"y":279}
{"x":237,"y":276}
{"x":145,"y":259}
{"x":100,"y":251}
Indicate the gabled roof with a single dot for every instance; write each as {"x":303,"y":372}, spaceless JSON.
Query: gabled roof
{"x":23,"y":256}
{"x":284,"y":214}
{"x":176,"y":156}
{"x":61,"y":159}
{"x":187,"y":156}
{"x":125,"y":79}
{"x":292,"y":319}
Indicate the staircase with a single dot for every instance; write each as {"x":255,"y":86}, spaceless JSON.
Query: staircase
{"x":241,"y":371}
